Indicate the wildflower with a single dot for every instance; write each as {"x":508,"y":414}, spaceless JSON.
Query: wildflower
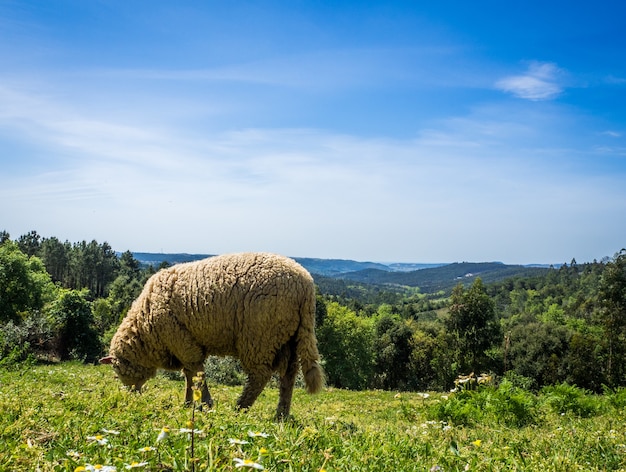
{"x":477,"y":443}
{"x":424,"y":395}
{"x":164,"y":434}
{"x":99,"y":468}
{"x":110,"y":431}
{"x":237,"y":441}
{"x":101,"y":440}
{"x":436,"y":468}
{"x":197,"y":395}
{"x":147,"y":449}
{"x":257,"y":434}
{"x":263,"y":451}
{"x":73,"y":454}
{"x":136,"y":465}
{"x":190,"y":431}
{"x":247,"y":463}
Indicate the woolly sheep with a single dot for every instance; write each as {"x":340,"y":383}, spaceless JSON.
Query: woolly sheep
{"x":257,"y":307}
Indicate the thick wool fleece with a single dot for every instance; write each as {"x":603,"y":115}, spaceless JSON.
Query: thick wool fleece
{"x":257,"y":307}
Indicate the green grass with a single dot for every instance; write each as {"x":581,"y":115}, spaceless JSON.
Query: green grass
{"x":47,"y":414}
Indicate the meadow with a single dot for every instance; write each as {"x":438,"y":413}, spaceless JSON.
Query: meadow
{"x":75,"y":417}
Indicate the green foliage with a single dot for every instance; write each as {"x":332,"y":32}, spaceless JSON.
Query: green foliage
{"x":346,"y":344}
{"x":537,"y":351}
{"x":25,"y":286}
{"x":392,"y":353}
{"x":24,"y":341}
{"x":72,"y":321}
{"x":564,"y":398}
{"x":615,"y":396}
{"x":612,"y":293}
{"x":472,"y":323}
{"x":224,"y":371}
{"x":506,"y":404}
{"x":537,"y":327}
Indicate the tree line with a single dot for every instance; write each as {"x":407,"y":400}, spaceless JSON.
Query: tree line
{"x":62,"y":300}
{"x":565,"y":326}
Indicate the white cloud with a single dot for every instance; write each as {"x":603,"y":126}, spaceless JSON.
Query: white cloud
{"x":542,"y":81}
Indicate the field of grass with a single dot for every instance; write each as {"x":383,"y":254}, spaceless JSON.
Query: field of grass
{"x":70,"y":417}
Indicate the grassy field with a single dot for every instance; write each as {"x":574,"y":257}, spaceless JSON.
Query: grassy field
{"x":71,"y":417}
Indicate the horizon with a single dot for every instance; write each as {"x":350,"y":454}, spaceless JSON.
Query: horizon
{"x":370,"y":261}
{"x":364,"y":131}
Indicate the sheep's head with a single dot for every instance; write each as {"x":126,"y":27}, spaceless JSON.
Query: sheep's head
{"x":131,"y":375}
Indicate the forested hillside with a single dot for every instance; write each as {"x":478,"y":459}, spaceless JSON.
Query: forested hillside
{"x":62,"y":300}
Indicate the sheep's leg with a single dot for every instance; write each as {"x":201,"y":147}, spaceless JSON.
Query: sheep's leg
{"x":255,"y":384}
{"x":287,"y":381}
{"x":189,"y":383}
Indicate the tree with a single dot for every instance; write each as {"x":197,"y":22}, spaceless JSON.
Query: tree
{"x":122,"y":293}
{"x":72,"y":321}
{"x":392,"y":352}
{"x":472,"y":323}
{"x":538,"y":351}
{"x":612,"y":294}
{"x":129,"y":265}
{"x":345,"y":343}
{"x":30,"y":243}
{"x":92,"y":266}
{"x":56,"y":257}
{"x":423,"y":373}
{"x":25,"y":286}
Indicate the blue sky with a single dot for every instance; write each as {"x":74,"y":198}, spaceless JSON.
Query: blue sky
{"x":386,"y":131}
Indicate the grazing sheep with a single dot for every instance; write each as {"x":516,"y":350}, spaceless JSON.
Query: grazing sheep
{"x":257,"y":307}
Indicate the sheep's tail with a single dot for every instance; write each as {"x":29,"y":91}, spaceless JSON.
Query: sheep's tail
{"x":307,"y":345}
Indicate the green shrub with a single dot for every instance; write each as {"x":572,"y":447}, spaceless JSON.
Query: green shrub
{"x":458,"y":409}
{"x":513,"y":406}
{"x":566,"y":398}
{"x":506,"y":404}
{"x":76,"y":338}
{"x":615,"y":397}
{"x":24,"y":341}
{"x":224,"y":371}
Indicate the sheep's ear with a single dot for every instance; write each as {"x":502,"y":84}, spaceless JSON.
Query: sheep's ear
{"x":107,"y":360}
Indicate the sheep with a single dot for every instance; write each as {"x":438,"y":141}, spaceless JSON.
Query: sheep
{"x":257,"y":307}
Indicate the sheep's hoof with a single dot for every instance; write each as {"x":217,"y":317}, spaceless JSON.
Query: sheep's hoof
{"x":282,"y":417}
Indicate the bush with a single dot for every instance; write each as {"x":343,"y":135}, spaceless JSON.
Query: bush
{"x":20,"y":342}
{"x":566,"y":398}
{"x":506,"y":404}
{"x":615,"y":397}
{"x":72,"y":321}
{"x":224,"y":371}
{"x":514,"y":406}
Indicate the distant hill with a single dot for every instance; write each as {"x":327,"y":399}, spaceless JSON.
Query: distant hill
{"x":429,"y":278}
{"x":151,"y":258}
{"x":444,"y":277}
{"x":335,"y":267}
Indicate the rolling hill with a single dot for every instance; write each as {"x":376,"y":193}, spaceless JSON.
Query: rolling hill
{"x":429,"y":278}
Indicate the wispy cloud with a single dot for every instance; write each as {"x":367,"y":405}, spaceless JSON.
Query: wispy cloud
{"x":167,"y":188}
{"x":541,"y":81}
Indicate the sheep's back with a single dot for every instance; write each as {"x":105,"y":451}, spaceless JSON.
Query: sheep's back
{"x":246,"y":305}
